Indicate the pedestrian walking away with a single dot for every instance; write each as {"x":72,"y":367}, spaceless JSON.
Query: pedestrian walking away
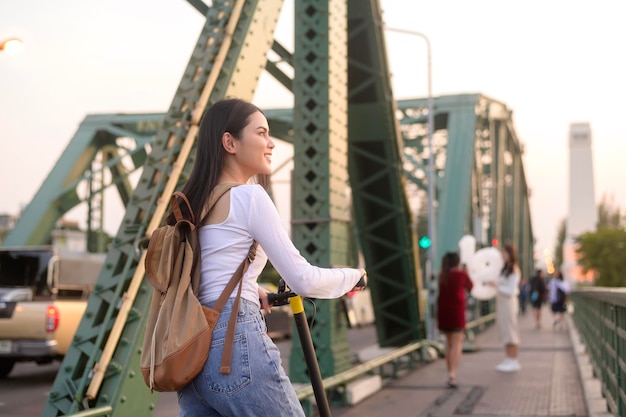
{"x":538,"y":295}
{"x":559,"y":293}
{"x":454,"y":282}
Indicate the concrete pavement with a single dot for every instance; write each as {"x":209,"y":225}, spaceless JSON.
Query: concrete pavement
{"x":550,"y":383}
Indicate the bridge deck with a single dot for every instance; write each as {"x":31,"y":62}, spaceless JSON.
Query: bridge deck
{"x":555,"y":380}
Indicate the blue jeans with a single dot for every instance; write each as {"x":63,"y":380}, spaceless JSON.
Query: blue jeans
{"x":257,"y":384}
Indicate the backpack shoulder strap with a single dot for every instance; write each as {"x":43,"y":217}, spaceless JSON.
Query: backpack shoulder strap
{"x":175,"y":207}
{"x":236,"y":278}
{"x":217,"y":193}
{"x":227,"y":352}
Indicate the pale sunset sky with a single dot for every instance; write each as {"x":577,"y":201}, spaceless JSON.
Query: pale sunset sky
{"x":551,"y":62}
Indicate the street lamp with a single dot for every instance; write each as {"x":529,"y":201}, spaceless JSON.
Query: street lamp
{"x":11,"y":45}
{"x":431,"y":252}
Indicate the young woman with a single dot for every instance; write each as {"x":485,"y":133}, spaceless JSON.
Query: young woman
{"x":234,"y":145}
{"x":507,"y":307}
{"x":453,"y":283}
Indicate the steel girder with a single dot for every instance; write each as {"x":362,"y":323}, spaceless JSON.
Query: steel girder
{"x":101,"y":369}
{"x":119,"y":142}
{"x":480,"y":184}
{"x":384,"y":221}
{"x":321,"y":218}
{"x":379,"y":199}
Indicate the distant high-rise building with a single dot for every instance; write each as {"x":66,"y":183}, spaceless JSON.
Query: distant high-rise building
{"x":582,"y":215}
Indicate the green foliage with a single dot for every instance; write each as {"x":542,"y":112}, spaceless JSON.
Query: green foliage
{"x":605,"y":252}
{"x":609,"y":216}
{"x":269,"y":275}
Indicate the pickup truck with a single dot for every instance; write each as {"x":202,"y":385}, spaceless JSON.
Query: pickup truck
{"x":43,"y":295}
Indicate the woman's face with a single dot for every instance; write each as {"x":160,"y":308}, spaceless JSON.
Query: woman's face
{"x":254,"y":147}
{"x":505,"y":256}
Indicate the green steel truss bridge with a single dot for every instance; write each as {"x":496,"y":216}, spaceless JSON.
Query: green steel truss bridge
{"x":347,"y":131}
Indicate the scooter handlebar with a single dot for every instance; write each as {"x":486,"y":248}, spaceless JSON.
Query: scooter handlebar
{"x":279,"y":299}
{"x":362,"y":282}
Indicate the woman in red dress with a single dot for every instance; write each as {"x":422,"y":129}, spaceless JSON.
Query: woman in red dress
{"x":453,"y":283}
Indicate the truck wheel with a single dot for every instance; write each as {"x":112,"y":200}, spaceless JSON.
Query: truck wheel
{"x":6,"y":365}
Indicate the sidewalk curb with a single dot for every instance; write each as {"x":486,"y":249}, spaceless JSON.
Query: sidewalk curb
{"x":592,"y":389}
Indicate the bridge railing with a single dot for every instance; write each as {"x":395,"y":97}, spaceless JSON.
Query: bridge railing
{"x":600,"y":317}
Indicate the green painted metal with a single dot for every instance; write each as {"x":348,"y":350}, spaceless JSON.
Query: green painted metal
{"x":481,"y":187}
{"x":97,"y":135}
{"x":237,"y":75}
{"x":480,"y":181}
{"x":600,"y":317}
{"x":321,"y":219}
{"x":380,"y":201}
{"x":274,"y":70}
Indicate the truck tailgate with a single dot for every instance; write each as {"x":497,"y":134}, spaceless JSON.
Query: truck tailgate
{"x":27,"y":323}
{"x":27,"y":320}
{"x":70,"y":314}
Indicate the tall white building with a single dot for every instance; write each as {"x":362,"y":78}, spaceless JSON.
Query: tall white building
{"x":582,"y":211}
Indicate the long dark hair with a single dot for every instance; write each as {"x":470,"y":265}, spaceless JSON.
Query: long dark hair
{"x":227,"y":115}
{"x":450,"y":260}
{"x":509,"y":265}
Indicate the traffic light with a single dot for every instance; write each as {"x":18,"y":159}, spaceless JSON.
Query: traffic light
{"x":425,"y":242}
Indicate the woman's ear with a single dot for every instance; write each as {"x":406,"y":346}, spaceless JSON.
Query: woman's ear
{"x":228,"y":142}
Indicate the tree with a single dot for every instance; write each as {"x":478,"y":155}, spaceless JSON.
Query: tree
{"x":269,"y":275}
{"x":605,"y":252}
{"x":609,"y":216}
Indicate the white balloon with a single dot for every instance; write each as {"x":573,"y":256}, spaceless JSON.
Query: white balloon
{"x":467,"y":247}
{"x":483,"y":267}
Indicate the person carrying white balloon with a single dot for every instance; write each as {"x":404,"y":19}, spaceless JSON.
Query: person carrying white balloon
{"x":507,"y":305}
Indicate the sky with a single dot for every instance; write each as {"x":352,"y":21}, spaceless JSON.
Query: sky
{"x":551,"y":62}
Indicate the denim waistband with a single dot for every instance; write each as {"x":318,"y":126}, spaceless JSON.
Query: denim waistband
{"x":244,"y":305}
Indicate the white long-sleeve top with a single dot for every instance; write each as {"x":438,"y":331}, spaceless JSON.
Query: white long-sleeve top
{"x":555,"y":284}
{"x":253,"y":216}
{"x":509,"y":285}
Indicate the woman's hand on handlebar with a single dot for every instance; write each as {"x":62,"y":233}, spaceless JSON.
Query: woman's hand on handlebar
{"x":362,"y":284}
{"x":265,"y":306}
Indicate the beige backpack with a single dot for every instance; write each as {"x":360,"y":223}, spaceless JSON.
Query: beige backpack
{"x":179,"y":329}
